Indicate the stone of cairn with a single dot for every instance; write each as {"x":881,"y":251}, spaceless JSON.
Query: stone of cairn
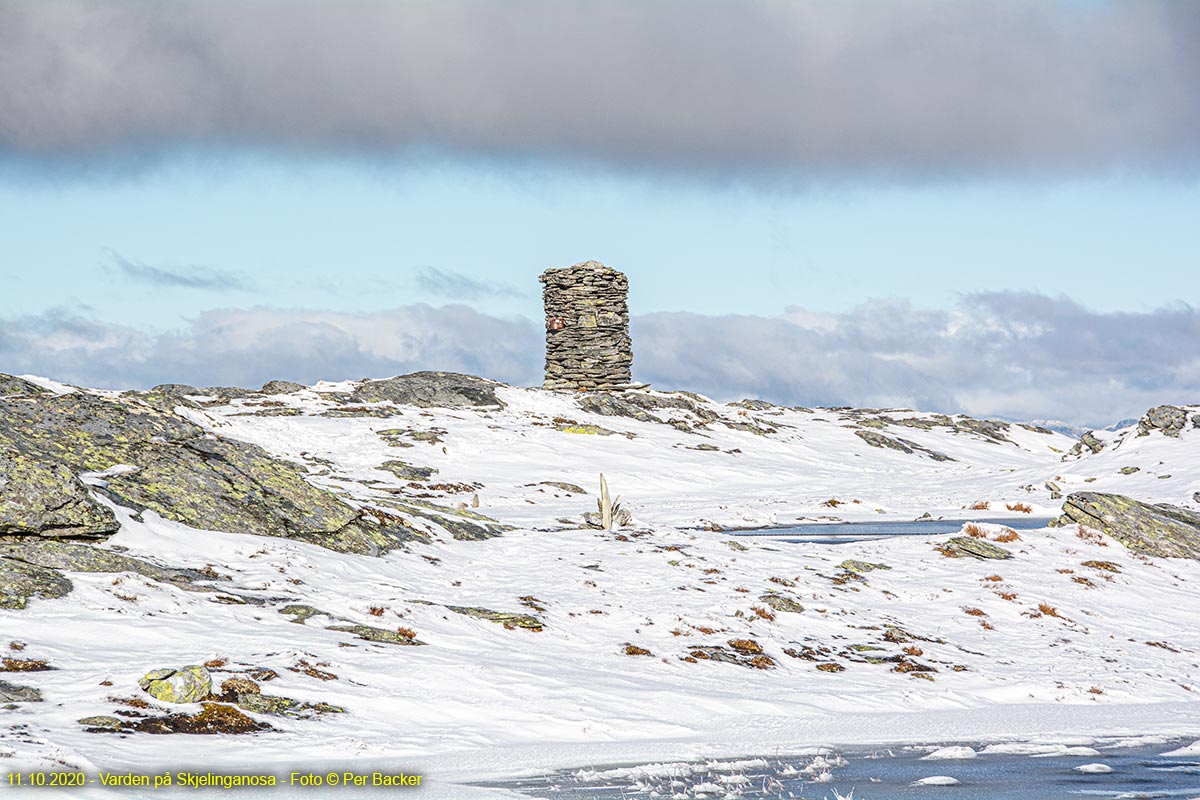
{"x":587,"y":327}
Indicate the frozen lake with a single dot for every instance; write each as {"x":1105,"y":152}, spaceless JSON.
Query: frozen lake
{"x":843,"y":532}
{"x":1001,"y":772}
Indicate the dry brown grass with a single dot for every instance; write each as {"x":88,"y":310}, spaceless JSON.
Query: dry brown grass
{"x":994,"y":578}
{"x":1049,"y":610}
{"x":831,"y":666}
{"x":974,"y":531}
{"x":1095,"y":690}
{"x":974,"y":612}
{"x":761,"y":662}
{"x":375,"y":611}
{"x":406,"y":633}
{"x":913,"y":650}
{"x":832,"y":502}
{"x":215,"y":663}
{"x":1091,"y":537}
{"x":980,"y":505}
{"x":987,"y":626}
{"x":763,"y":613}
{"x":1065,"y":571}
{"x":634,"y":650}
{"x":747,"y":647}
{"x":1024,"y":508}
{"x":23,"y":665}
{"x":1008,"y":535}
{"x":1106,"y":566}
{"x":1084,"y":581}
{"x":1010,"y":596}
{"x":706,"y":630}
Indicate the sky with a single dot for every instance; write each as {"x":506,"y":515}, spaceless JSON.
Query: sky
{"x":971,"y":207}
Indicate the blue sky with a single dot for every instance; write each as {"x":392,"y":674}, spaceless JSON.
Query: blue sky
{"x":357,"y":236}
{"x":981,"y":207}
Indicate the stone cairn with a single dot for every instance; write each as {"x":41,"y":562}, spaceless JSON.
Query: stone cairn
{"x":587,"y":327}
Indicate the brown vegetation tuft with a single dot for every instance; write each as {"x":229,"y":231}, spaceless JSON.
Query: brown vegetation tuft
{"x":763,"y":613}
{"x":1049,"y":610}
{"x":1024,"y":508}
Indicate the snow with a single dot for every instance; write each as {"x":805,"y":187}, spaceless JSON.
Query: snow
{"x":1094,"y":769}
{"x":936,"y":780}
{"x":950,"y":754}
{"x":480,"y":702}
{"x":1192,"y":749}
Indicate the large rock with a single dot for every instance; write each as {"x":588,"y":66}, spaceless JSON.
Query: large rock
{"x":20,"y":581}
{"x":12,"y":693}
{"x":11,"y":386}
{"x":78,"y":557}
{"x":1168,"y":419}
{"x":185,"y":474}
{"x":430,"y":390}
{"x":42,"y":498}
{"x":189,"y":684}
{"x":1155,"y":530}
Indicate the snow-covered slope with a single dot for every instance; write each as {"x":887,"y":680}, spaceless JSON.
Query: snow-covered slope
{"x":660,"y":640}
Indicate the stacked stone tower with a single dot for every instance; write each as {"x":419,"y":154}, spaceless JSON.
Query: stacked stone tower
{"x":587,"y":327}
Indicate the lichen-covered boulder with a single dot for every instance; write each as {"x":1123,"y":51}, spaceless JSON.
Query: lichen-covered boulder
{"x":507,"y":619}
{"x":189,"y":684}
{"x":1168,"y":419}
{"x":1089,"y":441}
{"x":430,"y":390}
{"x":970,"y":547}
{"x":41,"y":498}
{"x":370,"y":633}
{"x":20,"y":581}
{"x":186,"y":474}
{"x":782,"y":603}
{"x":1159,"y":530}
{"x":12,"y":693}
{"x":258,"y":703}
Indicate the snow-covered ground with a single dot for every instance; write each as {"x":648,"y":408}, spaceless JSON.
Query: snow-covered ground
{"x":1040,"y":646}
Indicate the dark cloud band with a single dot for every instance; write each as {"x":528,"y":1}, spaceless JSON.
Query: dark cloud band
{"x":901,"y":89}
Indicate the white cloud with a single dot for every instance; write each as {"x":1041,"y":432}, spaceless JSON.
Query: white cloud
{"x":1016,"y":355}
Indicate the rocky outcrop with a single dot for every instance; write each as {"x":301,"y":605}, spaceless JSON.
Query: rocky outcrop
{"x":12,"y":693}
{"x":1089,"y":441}
{"x":430,"y":390}
{"x":20,"y":581}
{"x":587,"y":327}
{"x":903,"y":445}
{"x":1159,"y":530}
{"x":43,"y":498}
{"x":11,"y":386}
{"x":281,"y":387}
{"x":55,"y":554}
{"x":153,"y":459}
{"x":1168,"y":419}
